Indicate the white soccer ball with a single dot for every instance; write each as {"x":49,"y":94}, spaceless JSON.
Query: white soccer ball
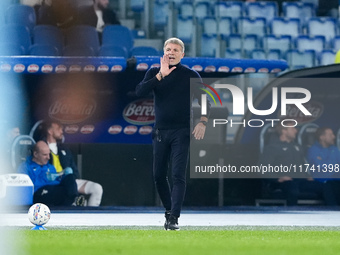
{"x":39,"y":214}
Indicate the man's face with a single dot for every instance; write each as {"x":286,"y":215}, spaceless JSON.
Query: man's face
{"x":290,"y":133}
{"x":42,"y":156}
{"x":56,"y":131}
{"x":102,"y":4}
{"x":174,"y":52}
{"x":328,"y":137}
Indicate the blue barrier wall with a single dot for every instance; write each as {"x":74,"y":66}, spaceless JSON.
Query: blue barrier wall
{"x":94,"y":96}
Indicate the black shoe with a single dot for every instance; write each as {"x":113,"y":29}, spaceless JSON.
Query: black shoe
{"x":167,"y":216}
{"x":79,"y":201}
{"x":173,"y":223}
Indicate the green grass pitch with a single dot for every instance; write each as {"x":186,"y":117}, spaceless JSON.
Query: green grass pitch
{"x":262,"y":240}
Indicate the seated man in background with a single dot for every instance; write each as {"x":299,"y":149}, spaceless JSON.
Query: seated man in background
{"x":62,"y":158}
{"x":324,"y":158}
{"x":284,"y":151}
{"x":60,"y":13}
{"x":12,"y":133}
{"x":97,"y":15}
{"x":50,"y":188}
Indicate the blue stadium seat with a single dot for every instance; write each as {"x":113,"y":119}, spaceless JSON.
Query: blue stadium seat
{"x":300,"y":59}
{"x":202,"y":10}
{"x":274,"y":54}
{"x":117,"y":35}
{"x":235,"y":54}
{"x":267,"y":135}
{"x":144,"y":51}
{"x":78,"y":51}
{"x":335,"y":43}
{"x":50,"y":35}
{"x":272,"y":42}
{"x":177,"y":2}
{"x":306,"y":135}
{"x":209,"y":26}
{"x":11,"y":49}
{"x":314,"y":2}
{"x":36,"y":131}
{"x":327,"y":57}
{"x":160,"y":14}
{"x":44,"y":50}
{"x":185,"y":29}
{"x":267,"y":10}
{"x":83,"y":36}
{"x":137,"y":5}
{"x":186,"y":10}
{"x":299,"y":10}
{"x":209,"y":44}
{"x":138,"y":34}
{"x":225,"y":26}
{"x":245,"y":43}
{"x":16,"y":34}
{"x":21,"y":15}
{"x":234,"y":41}
{"x":217,"y":26}
{"x":233,"y":9}
{"x":322,"y":26}
{"x":250,"y":42}
{"x":258,"y":54}
{"x":113,"y":51}
{"x":256,"y":26}
{"x":283,"y":26}
{"x":305,"y":42}
{"x":262,"y":54}
{"x":21,"y":148}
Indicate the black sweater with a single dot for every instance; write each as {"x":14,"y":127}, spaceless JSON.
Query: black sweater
{"x":282,"y":153}
{"x":172,"y":96}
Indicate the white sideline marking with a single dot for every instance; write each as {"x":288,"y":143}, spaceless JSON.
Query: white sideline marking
{"x":287,"y":218}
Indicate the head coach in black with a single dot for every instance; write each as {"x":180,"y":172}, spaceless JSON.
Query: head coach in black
{"x":170,"y":85}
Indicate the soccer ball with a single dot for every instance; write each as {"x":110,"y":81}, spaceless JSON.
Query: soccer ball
{"x":39,"y":214}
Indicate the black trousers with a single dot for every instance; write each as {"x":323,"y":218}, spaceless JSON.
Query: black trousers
{"x":331,"y":192}
{"x":293,"y":189}
{"x":62,"y":194}
{"x":171,"y":149}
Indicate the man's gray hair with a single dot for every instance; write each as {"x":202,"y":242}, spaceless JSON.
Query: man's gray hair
{"x":174,"y":40}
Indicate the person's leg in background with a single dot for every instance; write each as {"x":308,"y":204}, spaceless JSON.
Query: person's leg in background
{"x":70,"y":185}
{"x":93,"y":189}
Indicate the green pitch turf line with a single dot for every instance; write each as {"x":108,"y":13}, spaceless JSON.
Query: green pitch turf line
{"x":99,"y":241}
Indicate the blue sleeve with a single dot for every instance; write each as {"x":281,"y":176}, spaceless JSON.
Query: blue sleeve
{"x":22,"y":169}
{"x":338,"y":155}
{"x":312,"y":156}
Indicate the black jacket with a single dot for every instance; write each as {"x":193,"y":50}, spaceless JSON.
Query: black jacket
{"x":66,"y":159}
{"x":173,"y":96}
